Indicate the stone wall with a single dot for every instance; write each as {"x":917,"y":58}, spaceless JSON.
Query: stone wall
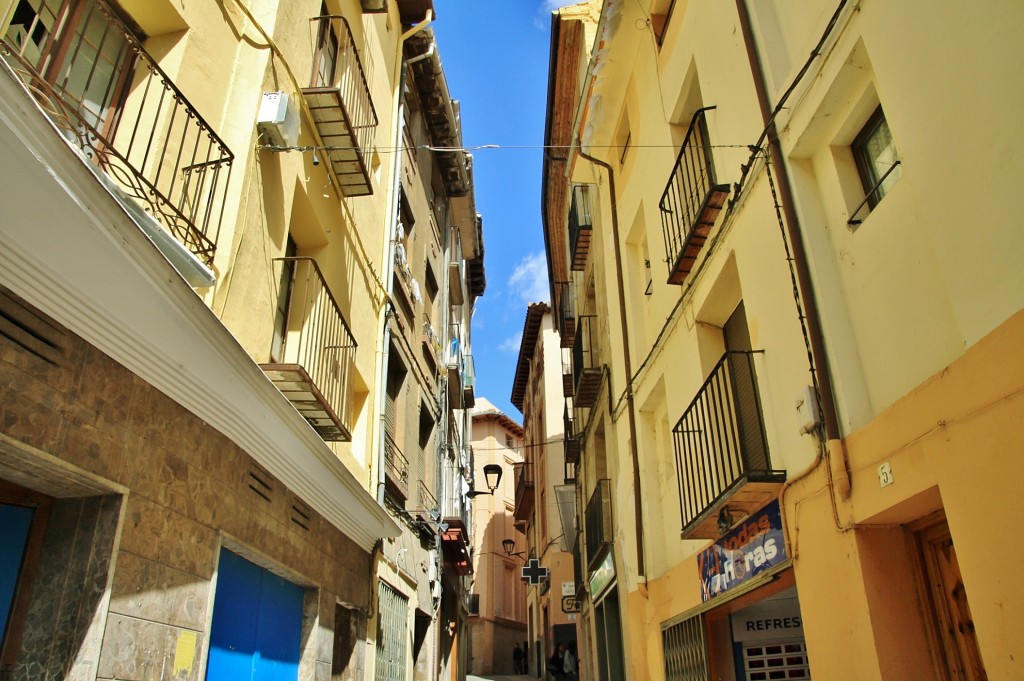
{"x":178,"y":491}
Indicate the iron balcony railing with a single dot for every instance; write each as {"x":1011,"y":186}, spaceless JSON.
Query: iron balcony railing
{"x":396,"y":469}
{"x":468,"y":381}
{"x":109,"y":97}
{"x":692,"y":200}
{"x":453,"y":505}
{"x":572,"y":438}
{"x":340,"y":102}
{"x":426,"y":500}
{"x":318,"y":352}
{"x":565,"y":301}
{"x":523,"y":472}
{"x":586,"y":371}
{"x":580,"y":226}
{"x":720,"y":442}
{"x":597,"y":523}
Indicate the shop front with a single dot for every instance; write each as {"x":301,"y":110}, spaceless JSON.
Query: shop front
{"x":748,"y":626}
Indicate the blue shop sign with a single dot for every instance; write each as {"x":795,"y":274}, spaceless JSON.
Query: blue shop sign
{"x":750,"y":549}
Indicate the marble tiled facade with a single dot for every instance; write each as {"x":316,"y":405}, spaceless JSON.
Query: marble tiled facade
{"x":123,"y":586}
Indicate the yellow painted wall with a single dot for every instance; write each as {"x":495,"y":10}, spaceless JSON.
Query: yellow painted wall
{"x":920,"y":303}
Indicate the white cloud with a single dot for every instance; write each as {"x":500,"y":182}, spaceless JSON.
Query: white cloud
{"x":543,"y":19}
{"x":512,"y":343}
{"x":529,"y":281}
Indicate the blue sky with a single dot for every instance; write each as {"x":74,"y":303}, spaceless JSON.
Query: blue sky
{"x":495,"y":58}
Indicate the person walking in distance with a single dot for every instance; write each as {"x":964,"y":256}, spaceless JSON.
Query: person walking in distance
{"x":517,"y":660}
{"x":569,"y":665}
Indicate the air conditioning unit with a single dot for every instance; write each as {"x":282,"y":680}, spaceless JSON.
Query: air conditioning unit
{"x":277,"y":122}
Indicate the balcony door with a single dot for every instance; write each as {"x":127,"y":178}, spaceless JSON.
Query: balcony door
{"x":76,"y":48}
{"x":326,"y":60}
{"x":744,"y":388}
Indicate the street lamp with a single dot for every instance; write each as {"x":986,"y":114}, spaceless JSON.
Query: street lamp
{"x":492,"y":476}
{"x":510,"y":548}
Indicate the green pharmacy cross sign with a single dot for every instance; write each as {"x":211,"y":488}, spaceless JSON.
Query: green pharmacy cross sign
{"x":533,"y":572}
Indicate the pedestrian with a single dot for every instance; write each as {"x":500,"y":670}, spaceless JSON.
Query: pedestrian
{"x":569,"y":663}
{"x":517,"y":660}
{"x":555,"y":662}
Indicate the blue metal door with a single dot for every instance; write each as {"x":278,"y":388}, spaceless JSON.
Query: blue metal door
{"x":257,"y":624}
{"x":14,"y":526}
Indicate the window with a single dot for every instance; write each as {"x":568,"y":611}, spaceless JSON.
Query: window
{"x":284,"y":295}
{"x":326,"y":62}
{"x":661,"y":12}
{"x":877,"y":160}
{"x":76,"y":46}
{"x":392,"y":633}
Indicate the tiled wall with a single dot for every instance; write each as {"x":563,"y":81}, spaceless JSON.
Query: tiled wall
{"x":187,"y":488}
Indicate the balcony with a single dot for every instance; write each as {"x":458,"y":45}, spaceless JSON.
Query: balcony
{"x":317,"y":354}
{"x":430,"y":340}
{"x":339,"y":100}
{"x":396,"y":471}
{"x":692,"y":200}
{"x":468,"y":382}
{"x":586,"y":371}
{"x":455,"y":513}
{"x":565,"y":303}
{"x":722,"y":451}
{"x":572,"y":438}
{"x":523,"y":472}
{"x":597,"y":524}
{"x":455,"y":283}
{"x":111,"y":99}
{"x":454,"y":365}
{"x":426,"y":498}
{"x":580,"y":226}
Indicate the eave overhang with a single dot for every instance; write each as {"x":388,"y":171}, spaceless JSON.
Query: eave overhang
{"x":68,"y":247}
{"x":531,"y":330}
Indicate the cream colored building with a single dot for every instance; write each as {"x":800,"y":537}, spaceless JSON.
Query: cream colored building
{"x":235,"y":341}
{"x":498,"y":595}
{"x":795,"y":338}
{"x":546,"y":492}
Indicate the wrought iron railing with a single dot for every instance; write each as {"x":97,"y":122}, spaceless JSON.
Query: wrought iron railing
{"x":598,"y":523}
{"x":426,"y":500}
{"x":523,"y":474}
{"x":338,"y":79}
{"x":319,"y":339}
{"x":453,"y":505}
{"x":572,"y":438}
{"x":586,"y":370}
{"x":691,"y":201}
{"x":580,"y":226}
{"x":468,"y":381}
{"x":396,"y":466}
{"x":565,"y":300}
{"x":720,"y":440}
{"x":111,"y":99}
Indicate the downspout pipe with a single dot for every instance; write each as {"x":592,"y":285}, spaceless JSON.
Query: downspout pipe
{"x":627,"y":356}
{"x":398,"y":124}
{"x":830,"y":417}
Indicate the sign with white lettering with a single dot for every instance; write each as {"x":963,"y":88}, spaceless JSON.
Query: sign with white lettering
{"x":753,"y":547}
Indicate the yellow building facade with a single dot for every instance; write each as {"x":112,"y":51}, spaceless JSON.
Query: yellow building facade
{"x":545,"y":508}
{"x":791,"y":340}
{"x":498,"y":596}
{"x":235,"y":300}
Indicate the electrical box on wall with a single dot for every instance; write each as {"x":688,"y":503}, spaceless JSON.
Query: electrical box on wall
{"x":807,"y":408}
{"x":277,"y":122}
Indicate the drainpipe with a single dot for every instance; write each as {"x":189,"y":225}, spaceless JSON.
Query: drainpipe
{"x":633,"y":447}
{"x":830,"y":418}
{"x":398,"y":125}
